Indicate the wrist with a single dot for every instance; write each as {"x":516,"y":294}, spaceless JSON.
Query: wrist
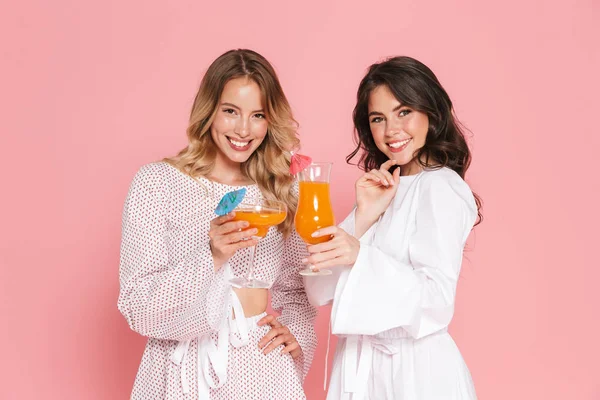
{"x":366,"y":215}
{"x":218,"y":260}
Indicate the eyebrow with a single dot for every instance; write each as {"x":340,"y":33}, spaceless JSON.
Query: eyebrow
{"x":237,"y":108}
{"x":380,"y":113}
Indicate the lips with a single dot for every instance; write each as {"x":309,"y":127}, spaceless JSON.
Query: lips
{"x":239,"y":145}
{"x":398,"y":145}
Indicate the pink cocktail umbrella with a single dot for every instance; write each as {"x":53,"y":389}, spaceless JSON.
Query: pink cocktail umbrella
{"x":299,"y":162}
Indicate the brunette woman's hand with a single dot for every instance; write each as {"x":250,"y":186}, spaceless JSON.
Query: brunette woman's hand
{"x":341,"y":250}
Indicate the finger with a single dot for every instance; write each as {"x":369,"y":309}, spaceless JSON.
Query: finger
{"x":236,"y":236}
{"x":266,"y":320}
{"x":222,"y":219}
{"x":320,"y":258}
{"x":382,"y":178}
{"x":296,"y":353}
{"x":396,"y":175}
{"x":278,"y":341}
{"x":290,"y":347}
{"x":232,"y":226}
{"x":321,"y":247}
{"x":388,"y":164}
{"x":370,"y":177}
{"x":334,"y":262}
{"x":267,"y":338}
{"x":374,"y":175}
{"x":242,"y":244}
{"x":388,"y":176}
{"x":271,"y":335}
{"x":276,"y":324}
{"x":330,"y":230}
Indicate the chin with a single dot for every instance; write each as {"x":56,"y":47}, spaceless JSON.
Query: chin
{"x":240,"y":157}
{"x":400,"y":160}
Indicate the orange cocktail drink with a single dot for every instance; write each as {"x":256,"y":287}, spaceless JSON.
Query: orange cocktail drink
{"x":314,"y":211}
{"x":260,"y":214}
{"x":261,"y":219}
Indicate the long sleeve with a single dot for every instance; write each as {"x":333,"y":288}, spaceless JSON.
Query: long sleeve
{"x":321,"y":289}
{"x":160,"y":297}
{"x":380,"y":292}
{"x":289,"y":298}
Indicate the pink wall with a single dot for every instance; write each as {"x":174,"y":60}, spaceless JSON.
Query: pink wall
{"x":92,"y":90}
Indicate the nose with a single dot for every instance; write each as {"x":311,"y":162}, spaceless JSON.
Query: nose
{"x":393,"y":128}
{"x":242,"y":128}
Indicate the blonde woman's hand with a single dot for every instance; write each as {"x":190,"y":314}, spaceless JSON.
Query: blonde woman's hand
{"x":277,"y":336}
{"x":227,"y":237}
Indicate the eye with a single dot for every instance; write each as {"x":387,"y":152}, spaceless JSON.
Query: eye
{"x":260,"y":116}
{"x":404,"y":112}
{"x":376,"y":120}
{"x":229,"y":111}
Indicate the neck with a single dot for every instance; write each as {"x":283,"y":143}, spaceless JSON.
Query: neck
{"x":412,"y":168}
{"x":227,"y":172}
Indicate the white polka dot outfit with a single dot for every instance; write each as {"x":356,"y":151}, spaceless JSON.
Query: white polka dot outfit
{"x":171,"y":293}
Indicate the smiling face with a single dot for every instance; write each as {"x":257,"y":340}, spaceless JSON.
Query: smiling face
{"x":240,"y":125}
{"x":398,"y":131}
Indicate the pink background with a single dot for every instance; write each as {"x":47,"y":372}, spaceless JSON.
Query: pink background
{"x":93,"y":90}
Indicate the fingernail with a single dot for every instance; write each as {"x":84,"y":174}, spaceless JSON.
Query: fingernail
{"x":304,"y":260}
{"x":315,"y":234}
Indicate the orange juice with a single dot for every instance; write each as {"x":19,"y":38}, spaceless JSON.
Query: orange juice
{"x":314,"y":211}
{"x":261,"y":220}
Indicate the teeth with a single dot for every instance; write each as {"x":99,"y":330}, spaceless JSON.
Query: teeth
{"x":238,"y":144}
{"x":397,"y":145}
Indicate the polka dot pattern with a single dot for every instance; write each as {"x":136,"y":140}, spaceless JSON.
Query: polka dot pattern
{"x":170,"y":291}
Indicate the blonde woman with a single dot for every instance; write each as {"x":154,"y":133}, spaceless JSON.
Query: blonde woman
{"x":177,"y":259}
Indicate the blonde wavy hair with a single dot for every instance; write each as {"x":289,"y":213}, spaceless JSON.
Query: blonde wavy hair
{"x":269,"y":165}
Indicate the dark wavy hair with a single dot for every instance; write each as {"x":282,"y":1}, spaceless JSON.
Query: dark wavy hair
{"x":416,"y":86}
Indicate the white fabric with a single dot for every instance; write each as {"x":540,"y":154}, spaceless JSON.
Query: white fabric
{"x":211,"y":355}
{"x":399,"y":295}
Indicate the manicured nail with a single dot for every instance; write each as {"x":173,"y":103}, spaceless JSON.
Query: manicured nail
{"x":304,"y":260}
{"x":315,"y":234}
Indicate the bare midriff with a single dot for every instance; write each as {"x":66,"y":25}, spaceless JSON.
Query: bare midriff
{"x":254,"y":301}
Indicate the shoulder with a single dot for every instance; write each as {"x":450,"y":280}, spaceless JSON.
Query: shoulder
{"x":152,"y":177}
{"x":446,"y":186}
